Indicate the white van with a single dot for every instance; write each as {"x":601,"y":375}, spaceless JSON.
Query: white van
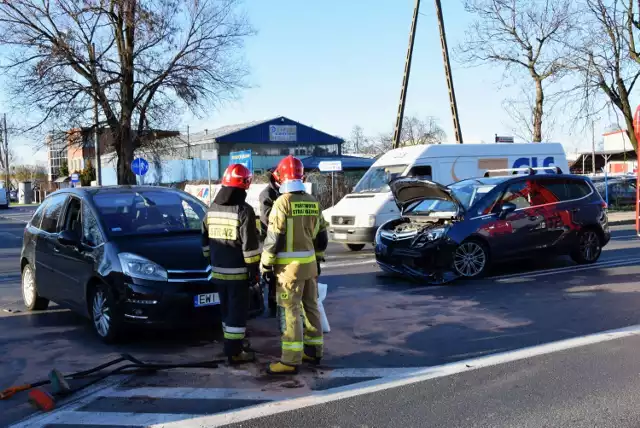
{"x":355,"y":219}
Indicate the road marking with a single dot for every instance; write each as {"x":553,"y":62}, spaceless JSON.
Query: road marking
{"x":418,"y":375}
{"x":542,"y":272}
{"x":336,"y":265}
{"x":200,"y":393}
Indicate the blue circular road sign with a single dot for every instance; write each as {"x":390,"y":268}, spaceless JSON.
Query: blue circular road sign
{"x":139,"y":166}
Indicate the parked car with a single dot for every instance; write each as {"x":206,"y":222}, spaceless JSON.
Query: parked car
{"x":13,"y":195}
{"x":461,"y":229}
{"x":121,"y":255}
{"x":620,"y":191}
{"x":4,"y":199}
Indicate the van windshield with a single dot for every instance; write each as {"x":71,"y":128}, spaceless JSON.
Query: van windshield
{"x":376,"y":180}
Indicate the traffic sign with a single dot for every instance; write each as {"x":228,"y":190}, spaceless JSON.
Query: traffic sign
{"x":503,"y":139}
{"x":209,"y":155}
{"x":139,"y":166}
{"x":330,"y":166}
{"x":75,"y":177}
{"x":243,"y":158}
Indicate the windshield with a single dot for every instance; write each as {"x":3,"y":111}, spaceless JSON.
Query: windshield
{"x":376,"y":179}
{"x":149,"y":211}
{"x":468,"y":192}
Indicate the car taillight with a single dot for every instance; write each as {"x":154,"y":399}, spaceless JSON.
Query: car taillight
{"x":604,"y":205}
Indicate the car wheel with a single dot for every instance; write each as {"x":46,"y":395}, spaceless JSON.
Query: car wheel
{"x":589,"y":247}
{"x":105,"y":322}
{"x":471,"y":259}
{"x":355,"y":247}
{"x":30,"y":296}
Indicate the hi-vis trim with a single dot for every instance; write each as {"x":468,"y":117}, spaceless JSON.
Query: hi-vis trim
{"x":252,"y":253}
{"x":222,"y":215}
{"x":228,"y":270}
{"x":223,"y":221}
{"x":217,"y":231}
{"x":305,"y":209}
{"x":301,"y":257}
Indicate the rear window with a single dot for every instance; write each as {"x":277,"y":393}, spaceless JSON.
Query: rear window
{"x":131,"y":213}
{"x":37,"y":216}
{"x":562,"y":189}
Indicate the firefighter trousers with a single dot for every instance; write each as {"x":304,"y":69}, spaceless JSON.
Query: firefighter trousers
{"x":299,"y":336}
{"x":234,"y":310}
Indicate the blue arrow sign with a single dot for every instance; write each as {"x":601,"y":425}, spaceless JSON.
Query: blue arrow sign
{"x":139,"y":166}
{"x":75,"y":177}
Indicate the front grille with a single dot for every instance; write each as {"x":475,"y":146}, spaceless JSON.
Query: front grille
{"x":189,"y":275}
{"x":341,"y":220}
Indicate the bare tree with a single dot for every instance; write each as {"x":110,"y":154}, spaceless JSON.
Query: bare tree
{"x":416,"y":131}
{"x":152,"y":60}
{"x":607,"y":60}
{"x":357,"y":140}
{"x":521,"y":109}
{"x":522,"y":36}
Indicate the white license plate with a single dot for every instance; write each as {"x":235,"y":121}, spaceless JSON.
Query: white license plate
{"x":342,"y":236}
{"x":208,"y":299}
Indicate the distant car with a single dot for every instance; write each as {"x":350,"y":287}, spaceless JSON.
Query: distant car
{"x":121,"y":255}
{"x":13,"y":195}
{"x":459,"y":230}
{"x":620,"y":191}
{"x":4,"y":199}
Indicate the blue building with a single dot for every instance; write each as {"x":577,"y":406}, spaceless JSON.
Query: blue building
{"x":182,"y":158}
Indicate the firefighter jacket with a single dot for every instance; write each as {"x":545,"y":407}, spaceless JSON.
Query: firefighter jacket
{"x":296,"y":236}
{"x":230,"y":238}
{"x":267,"y":197}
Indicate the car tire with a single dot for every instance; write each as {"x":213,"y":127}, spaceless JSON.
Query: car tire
{"x":30,"y":296}
{"x":355,"y":247}
{"x":471,"y":259}
{"x":588,"y":248}
{"x":104,"y":320}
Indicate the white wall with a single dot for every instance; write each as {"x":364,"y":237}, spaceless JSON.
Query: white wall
{"x":618,"y":141}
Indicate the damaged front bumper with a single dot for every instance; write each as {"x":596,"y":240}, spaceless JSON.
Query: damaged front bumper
{"x":431,"y":264}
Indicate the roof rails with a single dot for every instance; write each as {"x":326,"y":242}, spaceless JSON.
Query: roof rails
{"x":528,"y":170}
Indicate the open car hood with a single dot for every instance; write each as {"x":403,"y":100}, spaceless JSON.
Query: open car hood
{"x":407,"y":190}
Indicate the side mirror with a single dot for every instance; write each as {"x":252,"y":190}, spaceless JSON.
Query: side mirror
{"x":506,"y":209}
{"x":66,"y":237}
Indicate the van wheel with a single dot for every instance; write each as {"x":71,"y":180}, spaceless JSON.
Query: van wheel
{"x":588,"y":248}
{"x":355,"y":247}
{"x":30,"y":296}
{"x":471,"y":259}
{"x":104,"y":320}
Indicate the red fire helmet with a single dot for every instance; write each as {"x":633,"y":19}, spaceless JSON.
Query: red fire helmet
{"x":237,"y":175}
{"x":289,"y":168}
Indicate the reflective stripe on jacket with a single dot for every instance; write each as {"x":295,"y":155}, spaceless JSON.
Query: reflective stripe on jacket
{"x":296,"y":233}
{"x":230,"y":239}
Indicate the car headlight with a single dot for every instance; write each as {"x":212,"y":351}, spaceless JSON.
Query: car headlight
{"x":139,"y":267}
{"x":367,"y":221}
{"x":430,"y":236}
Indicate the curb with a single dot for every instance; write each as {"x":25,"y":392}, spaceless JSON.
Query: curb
{"x":622,"y":222}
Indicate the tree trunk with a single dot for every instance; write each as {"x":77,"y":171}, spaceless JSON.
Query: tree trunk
{"x":538,"y":112}
{"x":628,"y":118}
{"x":124,"y":150}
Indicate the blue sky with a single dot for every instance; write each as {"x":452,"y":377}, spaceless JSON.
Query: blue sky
{"x":334,"y":64}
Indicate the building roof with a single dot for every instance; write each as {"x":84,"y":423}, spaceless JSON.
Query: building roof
{"x":259,"y":132}
{"x":348,"y":162}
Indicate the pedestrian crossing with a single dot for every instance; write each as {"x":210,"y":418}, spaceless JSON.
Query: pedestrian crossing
{"x":126,"y":401}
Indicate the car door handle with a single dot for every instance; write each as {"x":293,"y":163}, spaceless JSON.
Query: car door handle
{"x":533,"y":217}
{"x":56,"y":249}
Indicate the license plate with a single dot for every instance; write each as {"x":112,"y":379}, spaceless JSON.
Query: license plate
{"x":342,"y":236}
{"x":208,"y":299}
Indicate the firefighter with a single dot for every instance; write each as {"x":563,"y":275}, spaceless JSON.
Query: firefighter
{"x":295,"y":244}
{"x":230,"y":241}
{"x":267,"y":197}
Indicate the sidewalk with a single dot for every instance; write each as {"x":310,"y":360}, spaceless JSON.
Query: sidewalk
{"x":617,"y":218}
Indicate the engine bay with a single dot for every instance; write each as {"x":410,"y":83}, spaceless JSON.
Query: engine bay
{"x":417,"y":225}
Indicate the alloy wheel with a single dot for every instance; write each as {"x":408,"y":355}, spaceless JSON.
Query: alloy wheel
{"x":590,"y":245}
{"x":469,"y":259}
{"x":28,"y":287}
{"x":101,"y":314}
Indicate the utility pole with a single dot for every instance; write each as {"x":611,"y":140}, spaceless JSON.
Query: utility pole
{"x":447,"y":72}
{"x":96,"y":133}
{"x":593,"y":146}
{"x":405,"y":79}
{"x":7,"y":183}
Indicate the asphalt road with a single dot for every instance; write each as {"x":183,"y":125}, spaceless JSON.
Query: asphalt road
{"x":380,"y":326}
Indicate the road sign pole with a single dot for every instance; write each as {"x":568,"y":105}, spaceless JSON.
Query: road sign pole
{"x":333,"y":201}
{"x":209,"y":162}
